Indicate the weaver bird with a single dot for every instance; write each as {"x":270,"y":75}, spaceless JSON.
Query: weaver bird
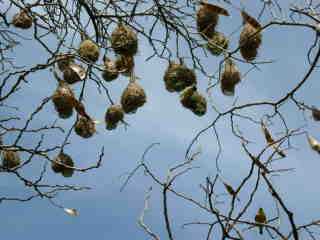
{"x":260,"y":218}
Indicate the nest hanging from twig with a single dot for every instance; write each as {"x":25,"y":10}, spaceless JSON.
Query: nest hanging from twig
{"x":10,"y":159}
{"x":113,"y":116}
{"x":125,"y":64}
{"x":85,"y":127}
{"x":124,"y":40}
{"x":74,"y":73}
{"x":191,"y":99}
{"x":110,"y":71}
{"x":208,"y":17}
{"x":89,"y":51}
{"x":64,"y":61}
{"x":22,"y":20}
{"x":177,"y":77}
{"x":250,"y":38}
{"x":63,"y":100}
{"x":63,"y":164}
{"x":133,"y":97}
{"x":230,"y":78}
{"x":218,"y":43}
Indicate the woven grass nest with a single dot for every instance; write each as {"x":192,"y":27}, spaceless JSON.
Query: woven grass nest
{"x":113,"y":116}
{"x":208,"y":17}
{"x":191,"y":99}
{"x":74,"y":73}
{"x":63,"y":100}
{"x":10,"y":159}
{"x":22,"y":20}
{"x":125,"y":64}
{"x":60,"y":165}
{"x":85,"y":127}
{"x":64,"y":61}
{"x":177,"y":77}
{"x":89,"y":51}
{"x":230,"y":78}
{"x":110,"y":71}
{"x":124,"y":40}
{"x":250,"y":38}
{"x":133,"y":97}
{"x":218,"y":43}
{"x":316,"y":114}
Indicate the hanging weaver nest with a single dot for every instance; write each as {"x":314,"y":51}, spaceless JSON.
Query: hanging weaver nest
{"x":110,"y":71}
{"x":85,"y":127}
{"x":113,"y":116}
{"x":64,"y":60}
{"x":133,"y":97}
{"x":191,"y":99}
{"x":125,"y":64}
{"x":230,"y":78}
{"x":74,"y":73}
{"x":89,"y":51}
{"x":177,"y":77}
{"x":250,"y":38}
{"x":218,"y":43}
{"x":63,"y":164}
{"x":10,"y":159}
{"x":22,"y":20}
{"x":124,"y":40}
{"x":63,"y":100}
{"x":316,"y":114}
{"x":208,"y":17}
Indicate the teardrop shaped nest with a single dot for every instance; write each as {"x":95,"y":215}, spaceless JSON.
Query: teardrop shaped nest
{"x":230,"y":78}
{"x":89,"y":51}
{"x":218,"y":43}
{"x":10,"y":159}
{"x":22,"y":20}
{"x":113,"y":116}
{"x":177,"y":77}
{"x":63,"y":100}
{"x":133,"y":97}
{"x":85,"y":127}
{"x":191,"y":99}
{"x":124,"y":40}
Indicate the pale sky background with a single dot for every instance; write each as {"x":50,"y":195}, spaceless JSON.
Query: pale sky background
{"x":107,"y":213}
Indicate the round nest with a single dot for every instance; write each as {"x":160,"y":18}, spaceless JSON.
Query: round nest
{"x":73,"y":73}
{"x":60,"y":165}
{"x":177,"y":77}
{"x":89,"y":51}
{"x":132,"y":98}
{"x":316,"y":114}
{"x":124,"y":40}
{"x":230,"y":78}
{"x":218,"y":43}
{"x":85,"y":127}
{"x":63,"y":100}
{"x":110,"y":71}
{"x":250,"y":41}
{"x":125,"y":64}
{"x":191,"y":99}
{"x":113,"y":116}
{"x":10,"y":159}
{"x":22,"y":20}
{"x":64,"y":60}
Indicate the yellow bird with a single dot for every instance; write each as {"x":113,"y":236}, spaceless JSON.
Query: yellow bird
{"x":260,"y":218}
{"x":270,"y":140}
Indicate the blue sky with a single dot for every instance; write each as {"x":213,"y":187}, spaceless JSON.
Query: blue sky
{"x":107,"y":213}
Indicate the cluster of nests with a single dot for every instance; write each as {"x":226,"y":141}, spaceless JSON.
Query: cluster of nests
{"x":124,"y":43}
{"x":217,"y":43}
{"x":180,"y":78}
